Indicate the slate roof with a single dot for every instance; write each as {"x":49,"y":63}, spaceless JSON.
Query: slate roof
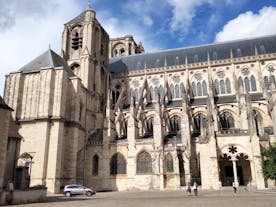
{"x":217,"y":51}
{"x":80,"y":17}
{"x":48,"y":59}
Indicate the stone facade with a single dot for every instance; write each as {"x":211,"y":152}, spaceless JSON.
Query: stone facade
{"x":5,"y":113}
{"x":124,"y":46}
{"x":144,"y":121}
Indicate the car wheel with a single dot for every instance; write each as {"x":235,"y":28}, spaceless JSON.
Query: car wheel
{"x":88,"y":193}
{"x":67,"y":194}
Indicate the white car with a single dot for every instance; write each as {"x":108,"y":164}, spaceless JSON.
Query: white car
{"x":75,"y":189}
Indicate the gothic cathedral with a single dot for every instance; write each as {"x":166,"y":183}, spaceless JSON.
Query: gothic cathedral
{"x":106,"y":114}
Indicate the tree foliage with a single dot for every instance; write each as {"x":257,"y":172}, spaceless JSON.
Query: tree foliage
{"x":269,"y":162}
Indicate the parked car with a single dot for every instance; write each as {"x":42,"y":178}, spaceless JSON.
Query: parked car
{"x":70,"y":190}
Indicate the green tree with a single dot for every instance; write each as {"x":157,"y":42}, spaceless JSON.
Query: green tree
{"x":269,"y":162}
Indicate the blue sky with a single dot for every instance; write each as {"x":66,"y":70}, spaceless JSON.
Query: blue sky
{"x":28,"y":27}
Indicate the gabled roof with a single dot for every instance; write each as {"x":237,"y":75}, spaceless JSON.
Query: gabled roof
{"x":81,"y":16}
{"x":3,"y":105}
{"x":216,"y":51}
{"x":48,"y":59}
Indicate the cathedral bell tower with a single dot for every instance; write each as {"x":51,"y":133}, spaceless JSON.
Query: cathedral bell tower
{"x":85,"y":48}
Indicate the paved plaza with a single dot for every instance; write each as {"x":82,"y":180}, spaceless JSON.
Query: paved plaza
{"x":225,"y":198}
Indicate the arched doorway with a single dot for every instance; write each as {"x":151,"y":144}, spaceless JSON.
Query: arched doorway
{"x":23,"y":171}
{"x":234,"y":167}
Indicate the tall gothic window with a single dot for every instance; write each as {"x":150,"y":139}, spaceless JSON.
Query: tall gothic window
{"x":117,"y":164}
{"x":169,"y":163}
{"x":193,"y":89}
{"x":95,"y":165}
{"x":204,"y":88}
{"x":222,"y":86}
{"x":199,"y":121}
{"x":175,"y":122}
{"x":253,"y":83}
{"x":144,"y":163}
{"x":181,"y":89}
{"x":249,"y":83}
{"x":268,"y":81}
{"x":226,"y":121}
{"x":150,"y":126}
{"x":228,"y":86}
{"x":199,"y":89}
{"x":177,"y":92}
{"x":172,"y":91}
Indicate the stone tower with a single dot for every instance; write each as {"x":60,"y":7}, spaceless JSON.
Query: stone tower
{"x":124,"y":46}
{"x":85,"y":48}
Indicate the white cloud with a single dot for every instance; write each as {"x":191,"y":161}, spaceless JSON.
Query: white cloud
{"x":120,"y":28}
{"x":147,"y":21}
{"x":249,"y":25}
{"x":184,"y":11}
{"x":28,"y":27}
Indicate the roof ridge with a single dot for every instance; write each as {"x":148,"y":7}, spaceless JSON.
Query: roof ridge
{"x":197,"y":46}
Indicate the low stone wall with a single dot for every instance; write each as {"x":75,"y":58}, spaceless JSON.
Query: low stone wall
{"x":23,"y":196}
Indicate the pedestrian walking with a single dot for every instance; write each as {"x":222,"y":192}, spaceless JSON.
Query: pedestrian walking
{"x":195,"y":189}
{"x":234,"y":187}
{"x":188,"y":189}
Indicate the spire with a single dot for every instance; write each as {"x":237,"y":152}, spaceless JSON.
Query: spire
{"x":88,"y":7}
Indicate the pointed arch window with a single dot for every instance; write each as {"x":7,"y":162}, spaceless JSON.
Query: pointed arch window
{"x":199,"y":89}
{"x":222,"y":87}
{"x":150,"y":126}
{"x":95,"y":164}
{"x":175,"y":122}
{"x":194,"y":89}
{"x":144,"y":163}
{"x":226,"y":121}
{"x":172,"y":91}
{"x":169,"y":163}
{"x":217,"y":87}
{"x":177,"y":92}
{"x":117,"y":164}
{"x":228,"y":86}
{"x":76,"y":41}
{"x":182,"y":89}
{"x":246,"y":84}
{"x":199,"y":122}
{"x":204,"y":88}
{"x":253,"y":83}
